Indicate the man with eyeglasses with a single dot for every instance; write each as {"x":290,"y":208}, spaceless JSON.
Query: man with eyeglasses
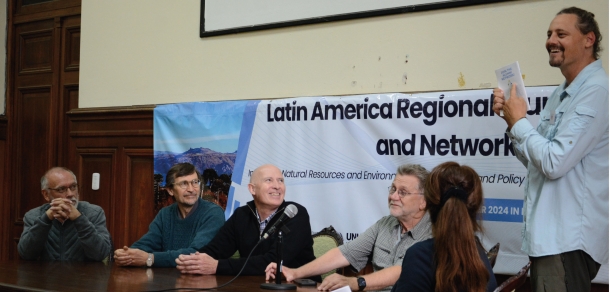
{"x":384,"y":243}
{"x":65,"y":229}
{"x":181,"y":228}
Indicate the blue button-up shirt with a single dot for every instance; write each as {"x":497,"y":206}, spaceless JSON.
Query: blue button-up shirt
{"x":566,"y":193}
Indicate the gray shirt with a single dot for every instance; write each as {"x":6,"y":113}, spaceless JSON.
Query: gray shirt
{"x":384,"y":244}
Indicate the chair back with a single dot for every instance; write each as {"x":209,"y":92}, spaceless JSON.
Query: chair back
{"x":515,"y":281}
{"x":325,"y":240}
{"x":492,"y":254}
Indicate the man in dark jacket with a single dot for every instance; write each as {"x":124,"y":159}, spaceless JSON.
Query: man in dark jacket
{"x":245,"y":228}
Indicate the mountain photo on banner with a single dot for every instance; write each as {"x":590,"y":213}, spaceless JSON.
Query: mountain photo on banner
{"x":197,"y":134}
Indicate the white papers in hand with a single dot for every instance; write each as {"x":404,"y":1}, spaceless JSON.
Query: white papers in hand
{"x":509,"y":75}
{"x":342,"y":289}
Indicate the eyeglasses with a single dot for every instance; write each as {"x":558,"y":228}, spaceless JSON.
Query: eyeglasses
{"x":401,"y":193}
{"x":62,"y":190}
{"x":184,"y":184}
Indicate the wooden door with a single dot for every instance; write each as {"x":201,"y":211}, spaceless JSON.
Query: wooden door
{"x":43,"y":47}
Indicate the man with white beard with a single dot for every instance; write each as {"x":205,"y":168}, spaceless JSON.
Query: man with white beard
{"x":64,"y":229}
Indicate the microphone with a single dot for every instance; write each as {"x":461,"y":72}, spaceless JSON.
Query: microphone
{"x":289,"y":212}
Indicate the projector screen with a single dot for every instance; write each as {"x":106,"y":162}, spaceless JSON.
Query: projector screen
{"x":220,"y":17}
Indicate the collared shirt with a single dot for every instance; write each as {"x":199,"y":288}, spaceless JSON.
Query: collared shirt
{"x":189,"y":213}
{"x":380,"y":240}
{"x":566,"y":192}
{"x":263,"y":223}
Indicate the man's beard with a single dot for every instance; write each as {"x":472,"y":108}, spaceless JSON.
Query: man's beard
{"x":74,"y":202}
{"x":557,"y":61}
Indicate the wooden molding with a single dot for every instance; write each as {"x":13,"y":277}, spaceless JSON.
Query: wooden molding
{"x":3,"y":126}
{"x":5,"y":195}
{"x":116,"y":142}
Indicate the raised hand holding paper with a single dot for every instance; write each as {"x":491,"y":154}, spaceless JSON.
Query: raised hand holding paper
{"x":507,"y":76}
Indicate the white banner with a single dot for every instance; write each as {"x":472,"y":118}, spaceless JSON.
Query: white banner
{"x":339,"y":154}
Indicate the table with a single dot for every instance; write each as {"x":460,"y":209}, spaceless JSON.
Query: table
{"x":22,"y":275}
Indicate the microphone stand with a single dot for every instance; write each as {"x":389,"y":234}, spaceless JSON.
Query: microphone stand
{"x":278,"y":271}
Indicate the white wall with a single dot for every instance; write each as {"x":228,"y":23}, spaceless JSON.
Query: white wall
{"x":149,"y":52}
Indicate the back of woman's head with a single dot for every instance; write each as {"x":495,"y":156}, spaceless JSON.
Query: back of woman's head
{"x":454,"y":195}
{"x":450,"y":183}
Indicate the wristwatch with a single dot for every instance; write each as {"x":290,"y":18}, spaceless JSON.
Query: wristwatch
{"x":361,"y":284}
{"x":149,"y":261}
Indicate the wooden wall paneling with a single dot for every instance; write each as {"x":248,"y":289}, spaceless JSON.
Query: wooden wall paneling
{"x":68,"y":101}
{"x":139,"y":186}
{"x":69,"y":63}
{"x":35,"y":47}
{"x":35,"y":136}
{"x":115,"y":122}
{"x":5,"y":207}
{"x":38,"y":96}
{"x":6,"y":224}
{"x":102,"y":161}
{"x":31,"y":99}
{"x":71,"y":45}
{"x":129,"y":130}
{"x":23,"y":10}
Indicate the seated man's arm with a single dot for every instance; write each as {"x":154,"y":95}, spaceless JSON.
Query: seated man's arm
{"x":93,"y":234}
{"x":330,"y":260}
{"x":222,"y":246}
{"x":36,"y":227}
{"x":334,"y":259}
{"x":137,"y":253}
{"x":206,"y":228}
{"x":357,"y":253}
{"x":374,"y":281}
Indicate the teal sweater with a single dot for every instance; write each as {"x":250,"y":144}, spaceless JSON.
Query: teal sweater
{"x":170,"y":236}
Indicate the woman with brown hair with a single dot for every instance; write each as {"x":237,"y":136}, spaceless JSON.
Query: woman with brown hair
{"x":451,"y":261}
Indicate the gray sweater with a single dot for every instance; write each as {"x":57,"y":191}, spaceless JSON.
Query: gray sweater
{"x":84,"y":239}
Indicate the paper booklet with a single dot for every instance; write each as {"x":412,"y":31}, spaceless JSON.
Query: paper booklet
{"x":509,"y":75}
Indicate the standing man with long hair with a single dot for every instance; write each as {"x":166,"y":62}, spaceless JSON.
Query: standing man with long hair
{"x":451,"y":261}
{"x":565,"y":208}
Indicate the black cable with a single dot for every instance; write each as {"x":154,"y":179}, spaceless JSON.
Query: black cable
{"x":211,"y":288}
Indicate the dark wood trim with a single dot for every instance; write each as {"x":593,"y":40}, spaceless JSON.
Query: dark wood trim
{"x":5,"y":195}
{"x":28,"y":15}
{"x":6,"y":227}
{"x":116,"y":110}
{"x":3,"y":127}
{"x":116,"y":142}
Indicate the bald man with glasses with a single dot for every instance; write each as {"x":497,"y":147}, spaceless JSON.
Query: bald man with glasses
{"x":181,"y":228}
{"x":65,"y":229}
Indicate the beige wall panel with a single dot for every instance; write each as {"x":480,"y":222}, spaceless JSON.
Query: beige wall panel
{"x":149,"y":52}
